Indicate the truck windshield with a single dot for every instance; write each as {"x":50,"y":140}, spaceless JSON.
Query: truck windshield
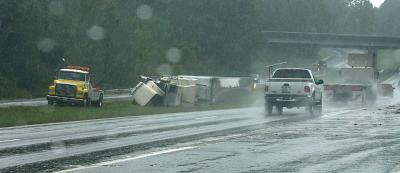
{"x":291,"y":73}
{"x":71,"y":75}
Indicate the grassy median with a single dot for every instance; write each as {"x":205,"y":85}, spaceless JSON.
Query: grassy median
{"x":16,"y":116}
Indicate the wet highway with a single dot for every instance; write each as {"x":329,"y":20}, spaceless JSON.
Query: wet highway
{"x":356,"y":139}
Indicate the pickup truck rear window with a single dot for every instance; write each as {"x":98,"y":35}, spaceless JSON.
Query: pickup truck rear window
{"x":291,"y":73}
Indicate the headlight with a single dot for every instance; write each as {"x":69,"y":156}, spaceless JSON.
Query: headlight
{"x":52,"y":90}
{"x":80,"y":91}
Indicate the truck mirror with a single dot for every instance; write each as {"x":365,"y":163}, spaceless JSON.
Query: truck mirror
{"x":320,"y":82}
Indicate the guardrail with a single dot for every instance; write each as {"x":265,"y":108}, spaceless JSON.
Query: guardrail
{"x":118,"y":91}
{"x":110,"y":95}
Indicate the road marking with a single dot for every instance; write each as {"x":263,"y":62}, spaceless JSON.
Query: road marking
{"x":215,"y":139}
{"x":10,"y":140}
{"x":126,"y":127}
{"x":339,"y":112}
{"x":128,"y":159}
{"x":201,"y":118}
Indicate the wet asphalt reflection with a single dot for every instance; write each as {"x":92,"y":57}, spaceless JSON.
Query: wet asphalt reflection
{"x":352,"y":139}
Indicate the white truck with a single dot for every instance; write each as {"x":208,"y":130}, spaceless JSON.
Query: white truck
{"x":356,"y":84}
{"x":293,"y":87}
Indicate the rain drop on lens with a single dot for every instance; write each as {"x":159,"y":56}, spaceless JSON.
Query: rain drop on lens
{"x":96,"y":33}
{"x":144,"y":12}
{"x":46,"y":45}
{"x":173,"y":55}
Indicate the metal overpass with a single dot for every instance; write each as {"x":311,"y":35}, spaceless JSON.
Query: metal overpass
{"x":372,"y":43}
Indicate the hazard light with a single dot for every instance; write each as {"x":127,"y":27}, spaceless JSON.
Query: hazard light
{"x":78,"y":67}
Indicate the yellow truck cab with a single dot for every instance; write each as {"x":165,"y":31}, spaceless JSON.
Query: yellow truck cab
{"x":73,"y":86}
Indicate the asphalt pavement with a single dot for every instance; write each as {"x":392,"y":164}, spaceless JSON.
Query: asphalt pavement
{"x":343,"y":139}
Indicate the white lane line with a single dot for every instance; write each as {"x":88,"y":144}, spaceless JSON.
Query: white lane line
{"x":216,"y":139}
{"x":201,"y":118}
{"x":10,"y":140}
{"x":126,"y":127}
{"x":339,"y":112}
{"x":128,"y":159}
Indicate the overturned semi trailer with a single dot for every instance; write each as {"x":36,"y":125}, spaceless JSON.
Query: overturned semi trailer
{"x":180,"y":91}
{"x":214,"y":89}
{"x":192,"y":90}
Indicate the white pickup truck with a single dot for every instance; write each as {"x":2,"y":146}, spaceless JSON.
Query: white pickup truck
{"x":293,"y":87}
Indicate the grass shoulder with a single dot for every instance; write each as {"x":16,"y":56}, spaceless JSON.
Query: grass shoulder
{"x":16,"y":116}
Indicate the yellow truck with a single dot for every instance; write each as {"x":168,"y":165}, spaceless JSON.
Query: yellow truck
{"x":73,"y":86}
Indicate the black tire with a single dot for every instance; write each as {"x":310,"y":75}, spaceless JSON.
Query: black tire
{"x":50,"y":103}
{"x":279,"y":109}
{"x":310,"y":106}
{"x":309,"y":109}
{"x":99,"y":103}
{"x":317,"y":109}
{"x":314,"y":108}
{"x":363,"y":100}
{"x":86,"y":101}
{"x":268,"y":107}
{"x":371,"y":97}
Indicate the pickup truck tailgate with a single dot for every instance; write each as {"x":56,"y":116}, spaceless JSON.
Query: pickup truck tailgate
{"x":287,"y":86}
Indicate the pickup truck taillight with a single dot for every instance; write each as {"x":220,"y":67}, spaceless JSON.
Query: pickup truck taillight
{"x":266,"y":88}
{"x":307,"y":89}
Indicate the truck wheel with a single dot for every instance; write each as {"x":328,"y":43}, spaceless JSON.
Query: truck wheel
{"x":314,"y":108}
{"x":310,"y":106}
{"x":363,"y":100}
{"x":99,"y":103}
{"x":268,"y":107}
{"x":86,"y":101}
{"x":50,"y":103}
{"x":279,"y":108}
{"x":317,"y":109}
{"x":309,"y":109}
{"x":371,"y":97}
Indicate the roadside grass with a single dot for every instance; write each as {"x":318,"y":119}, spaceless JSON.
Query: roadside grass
{"x":17,"y":116}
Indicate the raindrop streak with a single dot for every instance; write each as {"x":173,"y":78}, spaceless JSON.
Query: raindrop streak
{"x":46,"y":44}
{"x":173,"y":55}
{"x":144,"y":12}
{"x":56,"y":7}
{"x":96,"y":33}
{"x":165,"y":69}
